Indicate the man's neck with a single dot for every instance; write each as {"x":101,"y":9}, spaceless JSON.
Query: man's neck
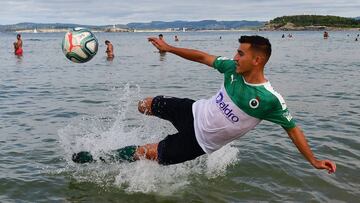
{"x":255,"y":77}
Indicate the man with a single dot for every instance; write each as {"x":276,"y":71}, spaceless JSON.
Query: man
{"x":18,"y":46}
{"x":109,"y":50}
{"x":204,"y":126}
{"x":326,"y":35}
{"x":162,"y":53}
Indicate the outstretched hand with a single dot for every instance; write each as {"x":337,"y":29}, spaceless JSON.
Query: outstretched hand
{"x":161,"y":45}
{"x":325,"y":164}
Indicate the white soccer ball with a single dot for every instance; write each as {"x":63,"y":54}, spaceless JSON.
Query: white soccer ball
{"x":80,"y":45}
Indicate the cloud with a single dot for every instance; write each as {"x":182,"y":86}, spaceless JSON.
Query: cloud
{"x":112,"y":12}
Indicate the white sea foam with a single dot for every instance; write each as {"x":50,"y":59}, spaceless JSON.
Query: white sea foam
{"x":120,"y":128}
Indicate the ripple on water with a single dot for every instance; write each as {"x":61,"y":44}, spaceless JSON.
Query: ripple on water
{"x":92,"y":101}
{"x":14,"y":113}
{"x":66,"y":114}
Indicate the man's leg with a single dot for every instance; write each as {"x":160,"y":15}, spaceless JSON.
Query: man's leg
{"x":176,"y":110}
{"x":144,"y":106}
{"x":133,"y":153}
{"x":148,"y":151}
{"x":174,"y":149}
{"x":181,"y":146}
{"x":128,"y":153}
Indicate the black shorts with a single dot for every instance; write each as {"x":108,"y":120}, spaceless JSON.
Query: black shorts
{"x":181,"y":146}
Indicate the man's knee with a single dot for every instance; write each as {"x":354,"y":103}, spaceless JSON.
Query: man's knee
{"x":144,"y":106}
{"x":148,"y":151}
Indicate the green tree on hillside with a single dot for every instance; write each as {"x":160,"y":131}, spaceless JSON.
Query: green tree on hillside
{"x":317,"y":20}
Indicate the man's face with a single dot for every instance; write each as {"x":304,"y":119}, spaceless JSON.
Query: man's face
{"x":244,"y":58}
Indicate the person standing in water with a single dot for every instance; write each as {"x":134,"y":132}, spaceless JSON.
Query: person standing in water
{"x":18,"y":46}
{"x":161,"y":37}
{"x":326,"y":35}
{"x":162,"y":53}
{"x":109,"y":50}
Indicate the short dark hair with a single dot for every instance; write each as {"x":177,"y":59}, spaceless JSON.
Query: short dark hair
{"x":107,"y":41}
{"x":258,"y":43}
{"x":160,"y":35}
{"x":18,"y":35}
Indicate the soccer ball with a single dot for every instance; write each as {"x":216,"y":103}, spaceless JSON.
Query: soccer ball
{"x":79,"y":45}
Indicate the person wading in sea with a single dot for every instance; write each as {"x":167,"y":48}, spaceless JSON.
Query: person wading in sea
{"x":18,"y":46}
{"x":109,"y":50}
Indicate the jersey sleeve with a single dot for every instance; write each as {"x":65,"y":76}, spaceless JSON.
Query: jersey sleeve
{"x":280,"y":114}
{"x":224,"y":65}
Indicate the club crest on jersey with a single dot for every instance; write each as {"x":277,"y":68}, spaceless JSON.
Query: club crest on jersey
{"x":254,"y":103}
{"x":225,"y":109}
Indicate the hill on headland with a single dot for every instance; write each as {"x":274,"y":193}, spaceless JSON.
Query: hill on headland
{"x":311,"y":22}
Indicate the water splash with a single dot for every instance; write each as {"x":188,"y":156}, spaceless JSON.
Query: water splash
{"x":118,"y":127}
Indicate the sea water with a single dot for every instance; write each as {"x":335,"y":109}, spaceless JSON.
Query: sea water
{"x":51,"y":108}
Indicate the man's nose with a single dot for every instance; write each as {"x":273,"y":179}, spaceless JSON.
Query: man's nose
{"x":236,"y":57}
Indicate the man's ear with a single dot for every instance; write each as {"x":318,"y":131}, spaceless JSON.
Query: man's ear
{"x":258,"y":60}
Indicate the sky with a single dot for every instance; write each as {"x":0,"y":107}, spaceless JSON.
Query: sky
{"x":108,"y":12}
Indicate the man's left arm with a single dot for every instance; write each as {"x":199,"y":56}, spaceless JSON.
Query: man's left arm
{"x":189,"y":54}
{"x":298,"y":138}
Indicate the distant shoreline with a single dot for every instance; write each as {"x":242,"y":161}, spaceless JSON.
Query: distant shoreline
{"x":207,"y":30}
{"x":130,"y":30}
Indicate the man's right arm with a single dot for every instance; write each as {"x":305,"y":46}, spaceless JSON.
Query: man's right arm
{"x":189,"y":54}
{"x":298,"y":138}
